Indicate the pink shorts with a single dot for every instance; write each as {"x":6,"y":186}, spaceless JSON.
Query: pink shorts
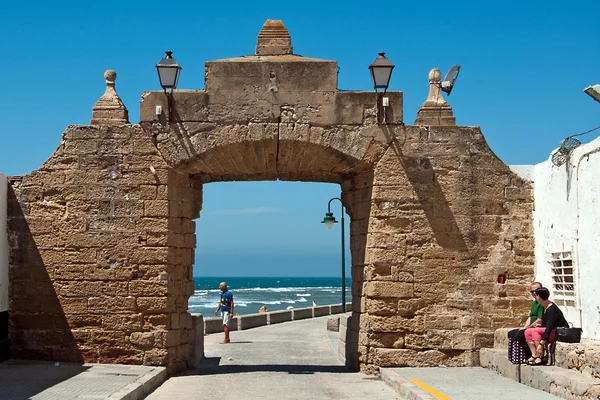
{"x":535,"y":334}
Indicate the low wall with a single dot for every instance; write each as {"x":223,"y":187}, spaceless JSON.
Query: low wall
{"x":198,"y":327}
{"x":302,"y":313}
{"x":321,"y":311}
{"x":248,"y":321}
{"x":344,"y":337}
{"x":253,"y":320}
{"x":277,"y":317}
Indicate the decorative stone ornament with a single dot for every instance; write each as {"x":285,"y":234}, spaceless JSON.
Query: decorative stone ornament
{"x":109,"y":109}
{"x":435,"y":110}
{"x":274,"y":39}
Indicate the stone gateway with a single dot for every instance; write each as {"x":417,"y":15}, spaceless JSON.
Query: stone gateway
{"x":102,"y":236}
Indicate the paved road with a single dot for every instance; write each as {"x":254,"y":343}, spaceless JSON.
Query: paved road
{"x":292,"y":360}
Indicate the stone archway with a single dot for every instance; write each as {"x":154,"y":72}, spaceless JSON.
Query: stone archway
{"x":102,"y":235}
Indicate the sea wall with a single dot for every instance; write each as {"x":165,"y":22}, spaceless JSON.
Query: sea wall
{"x":248,"y":321}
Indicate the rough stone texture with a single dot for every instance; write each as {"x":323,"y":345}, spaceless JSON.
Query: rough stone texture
{"x":101,"y":242}
{"x":582,"y":357}
{"x":273,"y":39}
{"x":102,"y":236}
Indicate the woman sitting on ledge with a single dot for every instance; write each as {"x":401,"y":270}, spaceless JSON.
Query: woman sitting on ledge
{"x":537,"y":337}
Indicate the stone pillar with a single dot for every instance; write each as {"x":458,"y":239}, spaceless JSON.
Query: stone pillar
{"x":274,"y":39}
{"x":435,"y":110}
{"x":109,"y":109}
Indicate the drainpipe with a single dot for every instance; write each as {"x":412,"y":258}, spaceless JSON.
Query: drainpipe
{"x":579,"y":309}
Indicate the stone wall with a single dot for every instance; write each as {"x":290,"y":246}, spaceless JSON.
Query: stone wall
{"x":101,"y":248}
{"x":445,"y":219}
{"x":102,"y":235}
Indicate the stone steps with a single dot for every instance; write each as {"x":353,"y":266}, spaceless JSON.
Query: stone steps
{"x":564,"y":379}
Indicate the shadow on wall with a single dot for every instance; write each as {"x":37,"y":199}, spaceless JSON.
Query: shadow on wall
{"x":422,"y":177}
{"x":357,"y":195}
{"x":38,"y":327}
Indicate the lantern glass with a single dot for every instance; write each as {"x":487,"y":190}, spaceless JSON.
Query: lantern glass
{"x":168,"y":71}
{"x":168,"y":77}
{"x":381,"y":72}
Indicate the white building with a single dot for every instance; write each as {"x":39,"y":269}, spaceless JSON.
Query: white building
{"x":567,"y":233}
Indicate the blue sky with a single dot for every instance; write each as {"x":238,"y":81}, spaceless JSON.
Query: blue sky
{"x":525,"y":65}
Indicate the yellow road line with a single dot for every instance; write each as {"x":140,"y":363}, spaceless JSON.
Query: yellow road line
{"x":432,"y":391}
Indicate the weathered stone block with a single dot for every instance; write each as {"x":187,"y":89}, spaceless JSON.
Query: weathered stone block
{"x":388,"y":289}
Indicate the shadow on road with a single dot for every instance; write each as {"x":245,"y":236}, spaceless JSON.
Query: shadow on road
{"x":212,"y":366}
{"x":25,"y":379}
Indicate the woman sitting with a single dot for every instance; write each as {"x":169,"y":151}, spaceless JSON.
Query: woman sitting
{"x":537,"y":337}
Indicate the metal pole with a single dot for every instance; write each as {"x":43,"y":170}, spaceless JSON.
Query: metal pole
{"x":343,"y":265}
{"x":343,"y":253}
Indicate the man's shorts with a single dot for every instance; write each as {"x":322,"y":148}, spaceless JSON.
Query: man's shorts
{"x":226,"y":318}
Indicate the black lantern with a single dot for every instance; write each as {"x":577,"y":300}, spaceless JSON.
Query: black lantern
{"x":168,"y":72}
{"x":381,"y":72}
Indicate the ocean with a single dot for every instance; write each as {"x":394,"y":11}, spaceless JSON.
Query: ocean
{"x":250,"y":294}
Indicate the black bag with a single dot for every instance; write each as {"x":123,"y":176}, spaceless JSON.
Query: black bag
{"x":517,"y":351}
{"x":568,"y":335}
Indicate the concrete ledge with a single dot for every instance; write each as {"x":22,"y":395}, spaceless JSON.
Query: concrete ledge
{"x":320,"y":311}
{"x":277,"y":317}
{"x":582,"y":357}
{"x":405,"y":388}
{"x":555,"y":380}
{"x":143,"y":386}
{"x":497,"y":361}
{"x":302,"y":313}
{"x":252,"y":320}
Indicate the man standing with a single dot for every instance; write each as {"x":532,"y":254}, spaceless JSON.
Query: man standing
{"x":226,"y":308}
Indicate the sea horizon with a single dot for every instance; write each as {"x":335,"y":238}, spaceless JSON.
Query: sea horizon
{"x":275,"y":293}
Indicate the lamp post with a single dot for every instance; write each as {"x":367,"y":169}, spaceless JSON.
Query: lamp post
{"x":168,"y":75}
{"x":381,"y":73}
{"x":329,"y":221}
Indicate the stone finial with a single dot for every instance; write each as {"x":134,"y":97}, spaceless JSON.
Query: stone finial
{"x":109,"y":109}
{"x":435,"y":110}
{"x":273,"y":39}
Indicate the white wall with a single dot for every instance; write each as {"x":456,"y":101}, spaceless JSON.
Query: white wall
{"x":567,"y":218}
{"x":3,"y":245}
